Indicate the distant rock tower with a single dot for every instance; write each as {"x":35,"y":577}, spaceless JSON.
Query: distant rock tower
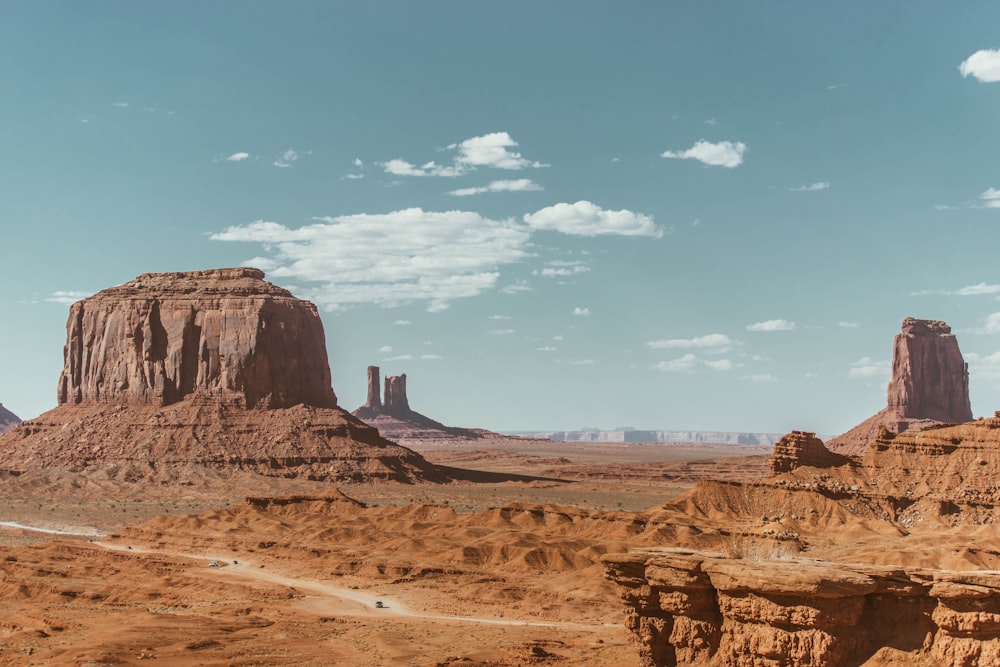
{"x":929,"y":385}
{"x":930,"y":379}
{"x":395,"y":396}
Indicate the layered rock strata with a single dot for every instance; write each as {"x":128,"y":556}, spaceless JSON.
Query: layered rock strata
{"x":698,"y":608}
{"x":929,"y":385}
{"x":802,"y":448}
{"x":215,"y":368}
{"x":225,"y":332}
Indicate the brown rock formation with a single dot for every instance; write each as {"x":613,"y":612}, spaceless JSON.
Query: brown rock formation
{"x":225,"y":332}
{"x":929,"y":385}
{"x":699,"y":608}
{"x":802,"y":448}
{"x":394,"y":418}
{"x":8,"y":419}
{"x":216,"y":368}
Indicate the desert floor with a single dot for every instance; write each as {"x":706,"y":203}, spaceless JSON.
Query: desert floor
{"x":501,"y":569}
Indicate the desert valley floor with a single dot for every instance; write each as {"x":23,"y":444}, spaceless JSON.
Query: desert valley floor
{"x":500,"y":569}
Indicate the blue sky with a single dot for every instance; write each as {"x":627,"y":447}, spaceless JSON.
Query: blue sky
{"x":550,"y":215}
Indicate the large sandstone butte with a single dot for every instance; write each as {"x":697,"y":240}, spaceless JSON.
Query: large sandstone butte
{"x":216,"y":368}
{"x":8,"y":419}
{"x":394,"y":418}
{"x":929,"y":385}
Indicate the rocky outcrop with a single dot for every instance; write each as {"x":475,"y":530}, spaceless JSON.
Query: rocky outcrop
{"x":802,"y":448}
{"x":929,"y":385}
{"x":393,"y":417}
{"x":212,"y":368}
{"x":698,"y":608}
{"x":930,"y":379}
{"x":166,"y":336}
{"x":8,"y":419}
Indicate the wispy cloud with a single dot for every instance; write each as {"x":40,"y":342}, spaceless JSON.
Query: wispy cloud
{"x":723,"y":154}
{"x":690,"y":362}
{"x":715,"y":342}
{"x":389,"y":259}
{"x":237,"y":157}
{"x":499,"y":317}
{"x":848,"y":325}
{"x":811,"y":188}
{"x":546,"y":348}
{"x":866,"y":367}
{"x":984,"y":65}
{"x":772,"y":325}
{"x":491,"y":150}
{"x":562,"y":268}
{"x":518,"y":185}
{"x":286,"y":159}
{"x":67,"y":297}
{"x":399,"y":357}
{"x":763,"y":377}
{"x":992,"y":323}
{"x":431,"y":356}
{"x":581,"y":312}
{"x":502,"y":332}
{"x":359,"y":173}
{"x":121,"y":105}
{"x":582,"y":362}
{"x":385,"y":348}
{"x":401,"y":323}
{"x":517,"y":287}
{"x":586,"y":219}
{"x":978,"y":289}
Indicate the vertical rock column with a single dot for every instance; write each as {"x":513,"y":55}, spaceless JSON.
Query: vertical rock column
{"x":395,"y":395}
{"x":930,"y":379}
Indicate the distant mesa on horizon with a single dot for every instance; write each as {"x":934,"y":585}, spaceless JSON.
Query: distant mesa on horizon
{"x":929,"y":386}
{"x":8,"y":419}
{"x":394,"y":418}
{"x":214,"y":368}
{"x":632,"y":435}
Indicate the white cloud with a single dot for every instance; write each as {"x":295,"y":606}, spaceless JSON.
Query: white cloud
{"x":586,"y":219}
{"x":690,"y":362}
{"x":716,"y":342}
{"x":557,"y":337}
{"x":502,"y":332}
{"x":978,"y":289}
{"x":763,"y":377}
{"x":993,"y":323}
{"x":286,"y":159}
{"x":811,"y":188}
{"x":491,"y":150}
{"x":431,"y":356}
{"x":389,"y":259}
{"x":991,"y":198}
{"x":772,"y":325}
{"x":984,"y":65}
{"x":723,"y":154}
{"x":848,"y":325}
{"x":238,"y":157}
{"x":546,"y":348}
{"x":519,"y":286}
{"x":518,"y":185}
{"x":560,"y":268}
{"x":866,"y":367}
{"x":121,"y":105}
{"x":400,"y":323}
{"x":399,"y":167}
{"x":581,"y":312}
{"x":499,"y":317}
{"x":67,"y":297}
{"x":582,"y":362}
{"x":385,"y":348}
{"x":399,"y":357}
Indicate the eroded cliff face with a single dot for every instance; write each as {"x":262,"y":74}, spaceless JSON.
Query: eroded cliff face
{"x":929,"y":385}
{"x":698,"y":608}
{"x":216,"y":368}
{"x":224,"y":332}
{"x":8,"y":419}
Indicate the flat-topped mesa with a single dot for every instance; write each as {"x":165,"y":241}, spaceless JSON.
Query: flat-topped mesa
{"x":930,"y":379}
{"x":223,"y":333}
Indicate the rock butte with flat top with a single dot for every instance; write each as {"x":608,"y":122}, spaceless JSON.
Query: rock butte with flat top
{"x":218,"y":368}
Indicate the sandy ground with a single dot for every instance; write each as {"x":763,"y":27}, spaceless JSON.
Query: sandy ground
{"x":462,"y":581}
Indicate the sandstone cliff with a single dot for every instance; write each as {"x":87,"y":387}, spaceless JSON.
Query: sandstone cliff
{"x":8,"y":419}
{"x":215,"y":368}
{"x":929,"y":385}
{"x":394,"y":418}
{"x":697,"y":608}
